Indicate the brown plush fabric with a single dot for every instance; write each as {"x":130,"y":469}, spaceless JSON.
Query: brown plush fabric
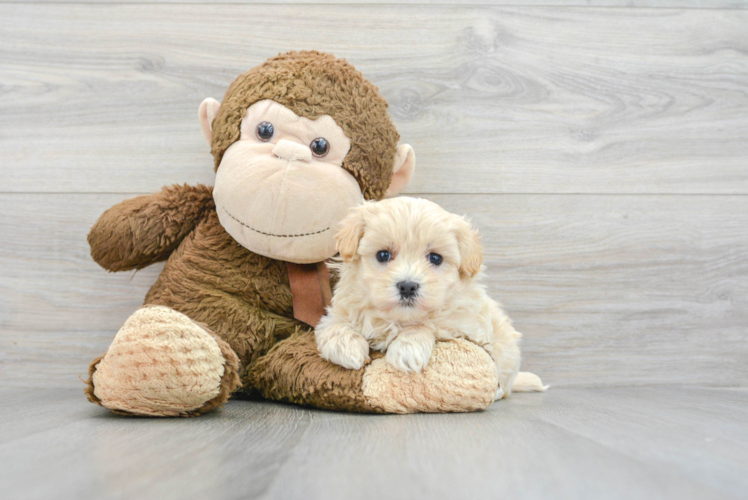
{"x":293,"y":371}
{"x":147,"y":229}
{"x":312,"y":84}
{"x":89,"y":390}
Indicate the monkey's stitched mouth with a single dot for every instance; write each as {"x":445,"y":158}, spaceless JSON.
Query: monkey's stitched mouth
{"x":271,"y":234}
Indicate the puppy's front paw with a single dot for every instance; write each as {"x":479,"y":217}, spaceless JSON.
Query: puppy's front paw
{"x":343,"y":346}
{"x":410,"y":351}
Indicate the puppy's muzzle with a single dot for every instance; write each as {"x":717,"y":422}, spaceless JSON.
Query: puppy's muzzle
{"x":408,"y":290}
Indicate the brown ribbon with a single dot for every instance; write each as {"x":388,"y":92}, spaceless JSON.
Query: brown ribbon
{"x":310,"y":287}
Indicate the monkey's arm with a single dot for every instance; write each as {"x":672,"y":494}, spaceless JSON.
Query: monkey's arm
{"x":143,"y":230}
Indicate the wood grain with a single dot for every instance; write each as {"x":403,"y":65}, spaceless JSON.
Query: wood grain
{"x":676,"y":428}
{"x":667,"y":4}
{"x":494,"y":99}
{"x":231,"y":454}
{"x":608,"y":289}
{"x":653,"y":443}
{"x":534,"y":446}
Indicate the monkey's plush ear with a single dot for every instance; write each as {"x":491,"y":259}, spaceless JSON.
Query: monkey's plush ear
{"x":471,"y":254}
{"x":350,"y":234}
{"x":402,"y":168}
{"x":207,"y":112}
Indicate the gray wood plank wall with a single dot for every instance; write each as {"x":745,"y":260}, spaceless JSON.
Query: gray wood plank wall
{"x":669,"y":4}
{"x":602,"y":151}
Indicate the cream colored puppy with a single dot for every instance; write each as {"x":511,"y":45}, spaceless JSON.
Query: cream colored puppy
{"x":411,"y":274}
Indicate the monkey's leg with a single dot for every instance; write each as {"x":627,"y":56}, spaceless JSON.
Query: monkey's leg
{"x":161,"y":363}
{"x":460,"y":377}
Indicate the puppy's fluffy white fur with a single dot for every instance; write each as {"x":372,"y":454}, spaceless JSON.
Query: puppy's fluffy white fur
{"x":368,"y":310}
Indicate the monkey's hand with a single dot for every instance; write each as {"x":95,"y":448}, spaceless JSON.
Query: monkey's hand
{"x":143,"y":230}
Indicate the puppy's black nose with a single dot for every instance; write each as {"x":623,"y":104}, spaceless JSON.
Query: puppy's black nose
{"x":407,"y":289}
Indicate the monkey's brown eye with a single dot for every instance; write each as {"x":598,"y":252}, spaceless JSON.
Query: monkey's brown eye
{"x":265,"y":131}
{"x":320,"y":147}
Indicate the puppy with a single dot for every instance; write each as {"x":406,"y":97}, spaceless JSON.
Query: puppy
{"x":411,"y":275}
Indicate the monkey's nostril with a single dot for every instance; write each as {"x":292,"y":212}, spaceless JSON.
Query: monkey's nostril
{"x":407,"y":289}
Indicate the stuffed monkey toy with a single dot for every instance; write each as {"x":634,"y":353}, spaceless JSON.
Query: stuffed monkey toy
{"x":297,"y":142}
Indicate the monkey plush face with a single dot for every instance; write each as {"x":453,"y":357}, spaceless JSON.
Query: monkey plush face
{"x":298,"y":141}
{"x":281,"y":189}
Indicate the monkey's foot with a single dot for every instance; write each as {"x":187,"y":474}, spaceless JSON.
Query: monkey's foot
{"x":161,"y":363}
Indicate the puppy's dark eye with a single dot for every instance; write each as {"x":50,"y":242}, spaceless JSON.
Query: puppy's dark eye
{"x":435,"y":258}
{"x":383,"y":256}
{"x":265,"y":131}
{"x":320,"y":147}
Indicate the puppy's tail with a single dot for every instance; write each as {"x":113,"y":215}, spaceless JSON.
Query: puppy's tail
{"x":528,"y":382}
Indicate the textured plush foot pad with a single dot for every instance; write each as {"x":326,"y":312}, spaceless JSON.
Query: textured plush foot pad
{"x":161,"y":363}
{"x":460,"y":377}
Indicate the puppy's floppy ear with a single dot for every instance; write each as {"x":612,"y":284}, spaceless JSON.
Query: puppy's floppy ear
{"x":350,"y":234}
{"x":471,"y":253}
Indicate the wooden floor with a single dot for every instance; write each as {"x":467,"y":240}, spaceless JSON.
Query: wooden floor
{"x":601,"y":146}
{"x":649,"y":443}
